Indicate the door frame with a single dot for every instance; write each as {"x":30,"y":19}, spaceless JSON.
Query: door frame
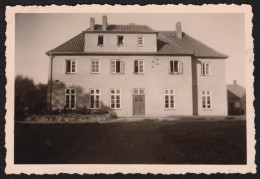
{"x":138,"y":92}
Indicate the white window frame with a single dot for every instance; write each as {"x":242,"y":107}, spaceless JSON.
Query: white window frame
{"x":103,"y":40}
{"x":95,"y":94}
{"x":70,"y":94}
{"x":179,"y":67}
{"x":138,"y":91}
{"x":206,"y":95}
{"x":142,"y":39}
{"x":204,"y":71}
{"x":167,"y":92}
{"x":115,"y":98}
{"x":92,"y":61}
{"x":71,"y":66}
{"x":138,"y":66}
{"x":117,"y":37}
{"x":121,"y":66}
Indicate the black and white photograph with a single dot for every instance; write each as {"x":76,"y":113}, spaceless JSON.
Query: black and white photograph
{"x":110,"y":88}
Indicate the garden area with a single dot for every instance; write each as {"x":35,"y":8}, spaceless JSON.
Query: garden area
{"x":136,"y":142}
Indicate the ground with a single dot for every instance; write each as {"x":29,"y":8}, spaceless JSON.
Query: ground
{"x":136,"y":142}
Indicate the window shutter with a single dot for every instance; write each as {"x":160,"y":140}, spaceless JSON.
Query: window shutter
{"x":171,"y":66}
{"x":202,"y":64}
{"x":136,"y":66}
{"x":122,"y":69}
{"x":112,"y":66}
{"x":68,"y":66}
{"x":181,"y":68}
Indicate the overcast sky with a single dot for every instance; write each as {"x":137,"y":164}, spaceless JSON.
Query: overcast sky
{"x":37,"y":33}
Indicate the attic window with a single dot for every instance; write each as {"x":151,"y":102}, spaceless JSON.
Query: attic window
{"x":100,"y":40}
{"x":140,"y":41}
{"x":120,"y":40}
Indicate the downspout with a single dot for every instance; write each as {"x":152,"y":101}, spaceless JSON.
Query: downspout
{"x":50,"y":82}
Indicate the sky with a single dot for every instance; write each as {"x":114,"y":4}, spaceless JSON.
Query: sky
{"x":36,"y":33}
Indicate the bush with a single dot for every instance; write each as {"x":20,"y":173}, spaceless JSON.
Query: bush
{"x":29,"y":98}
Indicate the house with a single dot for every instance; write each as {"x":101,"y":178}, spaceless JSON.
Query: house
{"x":236,"y":95}
{"x":137,"y":71}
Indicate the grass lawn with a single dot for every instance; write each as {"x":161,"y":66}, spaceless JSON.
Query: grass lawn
{"x":144,"y":142}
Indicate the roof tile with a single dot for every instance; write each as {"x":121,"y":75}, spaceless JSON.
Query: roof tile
{"x":167,"y":43}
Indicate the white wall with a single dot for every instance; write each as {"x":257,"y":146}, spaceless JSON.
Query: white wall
{"x":130,"y":43}
{"x":155,"y":79}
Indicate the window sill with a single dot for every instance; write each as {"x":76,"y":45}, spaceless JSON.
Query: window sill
{"x":206,"y":108}
{"x":95,"y":73}
{"x":117,"y":73}
{"x":70,"y":73}
{"x":135,"y":73}
{"x":99,"y":45}
{"x":166,"y":109}
{"x":175,"y":73}
{"x":115,"y":108}
{"x":94,"y":108}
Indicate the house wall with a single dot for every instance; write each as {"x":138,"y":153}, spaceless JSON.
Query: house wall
{"x":155,"y":79}
{"x":216,"y":82}
{"x":110,"y":43}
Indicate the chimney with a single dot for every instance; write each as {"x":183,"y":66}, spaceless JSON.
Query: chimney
{"x":104,"y":23}
{"x":235,"y":82}
{"x":178,"y":30}
{"x":92,"y":23}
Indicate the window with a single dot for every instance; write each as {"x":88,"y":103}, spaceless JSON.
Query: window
{"x":169,"y":101}
{"x":94,"y":66}
{"x":138,"y":66}
{"x":176,"y":67}
{"x":70,"y":98}
{"x":100,"y":40}
{"x":115,"y":98}
{"x":137,"y":91}
{"x":117,"y":66}
{"x":140,"y":41}
{"x":70,"y":66}
{"x":94,"y":99}
{"x":205,"y":68}
{"x":206,"y":99}
{"x":120,"y":40}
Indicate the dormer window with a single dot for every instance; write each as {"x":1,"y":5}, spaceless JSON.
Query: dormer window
{"x":140,"y":41}
{"x":120,"y":40}
{"x":100,"y":40}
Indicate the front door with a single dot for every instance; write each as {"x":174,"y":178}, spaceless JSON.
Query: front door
{"x":139,"y":103}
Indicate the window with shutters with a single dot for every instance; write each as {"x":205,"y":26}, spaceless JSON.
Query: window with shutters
{"x":95,"y":98}
{"x":138,"y":66}
{"x":115,"y":98}
{"x":116,"y":67}
{"x":95,"y":66}
{"x":206,"y":99}
{"x":205,"y":68}
{"x":70,"y":66}
{"x":176,"y":67}
{"x":100,"y":40}
{"x":169,"y":99}
{"x":70,"y":98}
{"x":140,"y":41}
{"x":120,"y":40}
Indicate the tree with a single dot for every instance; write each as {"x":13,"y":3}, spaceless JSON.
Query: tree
{"x":29,"y":98}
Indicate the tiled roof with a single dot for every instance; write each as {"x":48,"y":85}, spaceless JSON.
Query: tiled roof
{"x":167,"y":44}
{"x":130,"y":27}
{"x":236,"y":91}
